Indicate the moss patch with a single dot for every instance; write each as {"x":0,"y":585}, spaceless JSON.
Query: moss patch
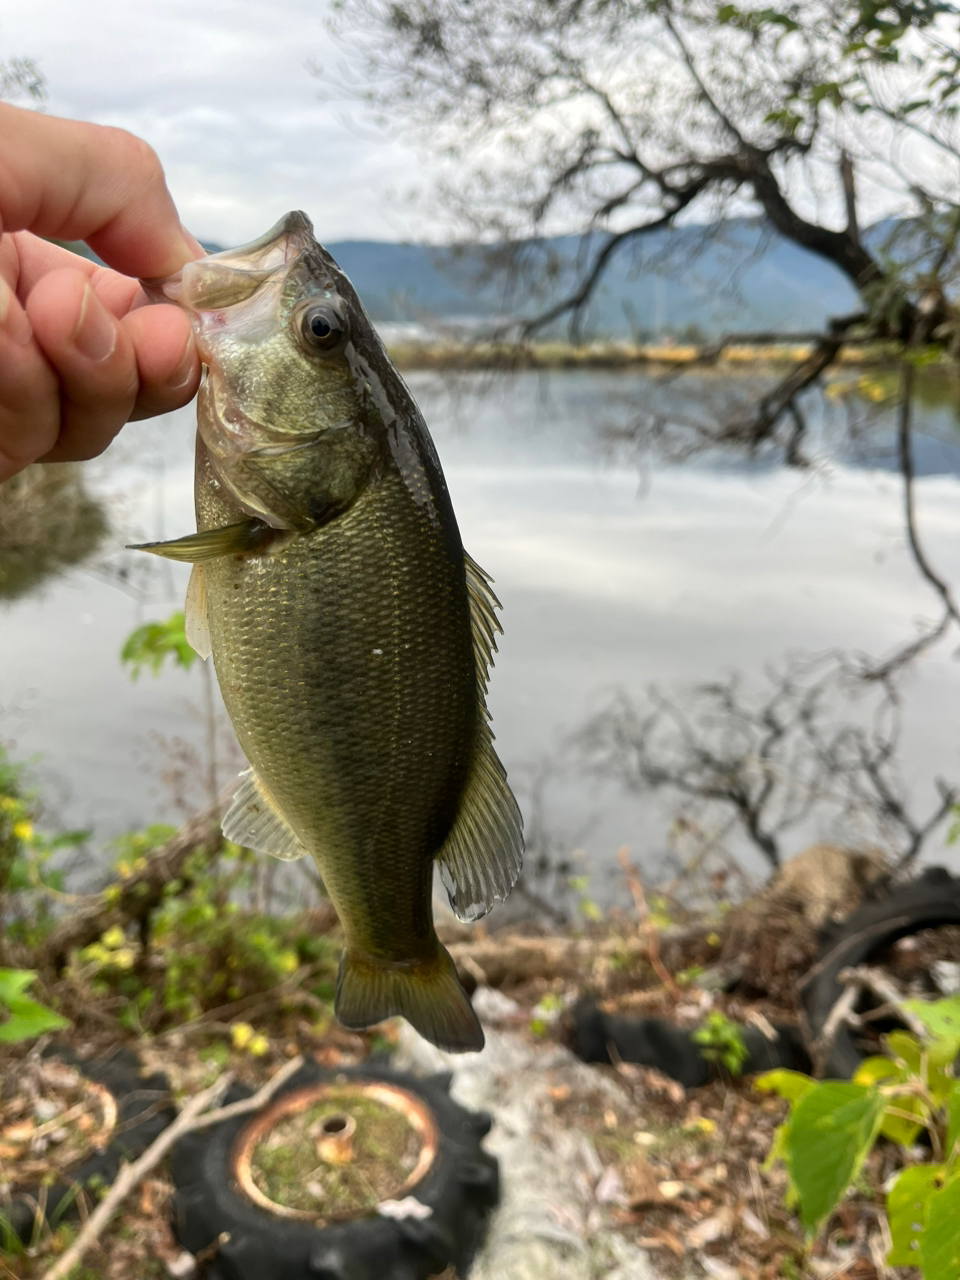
{"x":287,"y":1168}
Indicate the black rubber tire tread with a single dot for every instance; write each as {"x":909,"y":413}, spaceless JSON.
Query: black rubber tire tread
{"x":144,"y":1109}
{"x":928,"y":902}
{"x":461,"y":1187}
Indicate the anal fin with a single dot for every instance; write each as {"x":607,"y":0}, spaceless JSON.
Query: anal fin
{"x":196,"y":622}
{"x":482,"y":855}
{"x":254,"y":820}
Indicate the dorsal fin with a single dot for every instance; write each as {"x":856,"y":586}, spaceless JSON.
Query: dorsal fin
{"x":255,"y":821}
{"x":483,"y":619}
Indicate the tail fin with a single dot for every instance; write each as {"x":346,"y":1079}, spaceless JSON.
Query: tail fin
{"x":428,"y":995}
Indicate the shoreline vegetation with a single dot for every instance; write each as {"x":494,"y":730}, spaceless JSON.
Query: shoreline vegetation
{"x":730,"y":356}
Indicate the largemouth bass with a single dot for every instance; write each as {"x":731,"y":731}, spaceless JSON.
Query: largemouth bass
{"x":351,"y":634}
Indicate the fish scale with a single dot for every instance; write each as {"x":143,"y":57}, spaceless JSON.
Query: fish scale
{"x":344,"y":738}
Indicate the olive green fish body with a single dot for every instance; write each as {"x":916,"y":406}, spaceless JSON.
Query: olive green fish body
{"x":350,"y":632}
{"x":346,"y":666}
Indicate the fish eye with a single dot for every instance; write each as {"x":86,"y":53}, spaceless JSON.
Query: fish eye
{"x":322,"y":328}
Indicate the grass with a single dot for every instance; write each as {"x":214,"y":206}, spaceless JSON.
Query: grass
{"x":288,"y":1170}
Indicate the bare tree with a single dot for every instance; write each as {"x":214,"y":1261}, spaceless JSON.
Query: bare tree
{"x":773,"y":758}
{"x":616,"y":118}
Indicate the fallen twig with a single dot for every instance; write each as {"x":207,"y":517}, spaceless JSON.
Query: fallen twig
{"x":129,"y":1177}
{"x":191,"y":1117}
{"x":881,"y":985}
{"x":254,"y":1102}
{"x":252,"y":1004}
{"x":841,"y":1013}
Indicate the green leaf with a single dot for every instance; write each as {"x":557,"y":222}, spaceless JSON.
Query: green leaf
{"x":953,"y":1121}
{"x":778,"y":1152}
{"x":792,"y":1085}
{"x":940,"y":1017}
{"x":940,"y":1244}
{"x":906,"y":1050}
{"x":26,"y":1018}
{"x":897,"y":1127}
{"x":831,"y":1131}
{"x":907,"y":1206}
{"x":154,"y":642}
{"x":878,"y":1070}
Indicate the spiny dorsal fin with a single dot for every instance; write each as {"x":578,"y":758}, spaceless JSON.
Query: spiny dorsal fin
{"x":483,"y":618}
{"x":255,"y":821}
{"x":196,"y":623}
{"x":481,"y":857}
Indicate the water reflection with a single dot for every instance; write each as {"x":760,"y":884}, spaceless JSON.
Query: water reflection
{"x":49,"y":521}
{"x":611,"y":577}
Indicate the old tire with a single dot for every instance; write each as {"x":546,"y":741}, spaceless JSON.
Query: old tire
{"x":144,"y":1109}
{"x":459,"y":1188}
{"x":927,"y":903}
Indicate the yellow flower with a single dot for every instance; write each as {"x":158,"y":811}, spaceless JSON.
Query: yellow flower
{"x":114,"y":937}
{"x":23,"y":829}
{"x":241,"y":1033}
{"x":702,"y":1124}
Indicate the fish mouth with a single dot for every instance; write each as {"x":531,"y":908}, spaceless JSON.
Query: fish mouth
{"x":224,"y":279}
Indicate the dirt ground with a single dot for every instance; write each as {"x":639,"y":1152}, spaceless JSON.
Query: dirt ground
{"x":653,"y":1180}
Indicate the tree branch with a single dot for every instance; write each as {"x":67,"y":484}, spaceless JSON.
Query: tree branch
{"x":135,"y":897}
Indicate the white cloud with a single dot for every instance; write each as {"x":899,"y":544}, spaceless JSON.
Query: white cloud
{"x":222,"y":90}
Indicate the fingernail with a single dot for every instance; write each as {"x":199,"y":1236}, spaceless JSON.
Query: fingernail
{"x":13,"y":318}
{"x":193,"y":243}
{"x":96,"y":333}
{"x":186,"y":368}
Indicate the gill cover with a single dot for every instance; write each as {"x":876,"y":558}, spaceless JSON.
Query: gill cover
{"x":264,"y":316}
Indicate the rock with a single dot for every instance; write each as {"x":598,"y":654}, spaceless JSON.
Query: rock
{"x":549,"y":1171}
{"x":826,"y":882}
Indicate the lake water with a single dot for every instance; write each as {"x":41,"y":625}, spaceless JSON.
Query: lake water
{"x":610,"y":577}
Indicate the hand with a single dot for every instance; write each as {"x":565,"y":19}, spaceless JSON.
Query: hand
{"x":80,"y":353}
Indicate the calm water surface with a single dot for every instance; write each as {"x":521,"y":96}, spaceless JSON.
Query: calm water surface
{"x":610,"y":578}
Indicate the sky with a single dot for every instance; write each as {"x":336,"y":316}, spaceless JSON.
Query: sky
{"x":222,"y":90}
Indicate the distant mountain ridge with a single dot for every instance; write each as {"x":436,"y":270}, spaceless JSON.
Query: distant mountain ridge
{"x":737,"y":275}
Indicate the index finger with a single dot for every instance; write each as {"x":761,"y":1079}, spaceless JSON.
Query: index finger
{"x":77,"y":181}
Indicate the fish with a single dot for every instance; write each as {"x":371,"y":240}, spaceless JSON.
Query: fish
{"x":351,"y":633}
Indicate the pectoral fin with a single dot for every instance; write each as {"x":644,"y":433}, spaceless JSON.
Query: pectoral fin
{"x":196,"y":623}
{"x":255,"y":821}
{"x":244,"y":538}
